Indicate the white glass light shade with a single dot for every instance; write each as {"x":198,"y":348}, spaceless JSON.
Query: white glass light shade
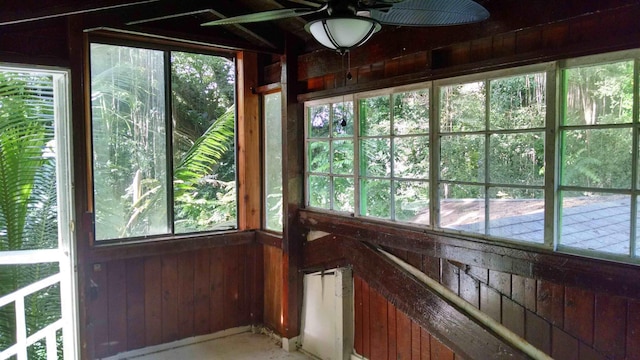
{"x":343,"y":33}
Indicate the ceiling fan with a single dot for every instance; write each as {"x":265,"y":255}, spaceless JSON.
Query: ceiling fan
{"x":347,"y":24}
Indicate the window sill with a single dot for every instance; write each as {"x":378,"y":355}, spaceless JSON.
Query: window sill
{"x":167,"y":245}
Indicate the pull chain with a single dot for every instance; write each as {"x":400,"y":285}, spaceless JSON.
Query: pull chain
{"x":343,"y":122}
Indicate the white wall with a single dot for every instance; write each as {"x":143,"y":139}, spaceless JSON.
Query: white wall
{"x":327,"y":314}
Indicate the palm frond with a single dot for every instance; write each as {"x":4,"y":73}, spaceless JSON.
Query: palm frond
{"x":205,"y":153}
{"x":26,"y":126}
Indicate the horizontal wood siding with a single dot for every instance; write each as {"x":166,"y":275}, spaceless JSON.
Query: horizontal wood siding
{"x":147,"y":301}
{"x":410,"y":55}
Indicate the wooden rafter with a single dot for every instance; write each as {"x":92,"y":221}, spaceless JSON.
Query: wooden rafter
{"x":30,"y":10}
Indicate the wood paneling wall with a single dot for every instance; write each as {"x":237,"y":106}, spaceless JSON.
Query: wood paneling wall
{"x":551,"y":308}
{"x":384,"y":332}
{"x":409,"y":55}
{"x":145,"y":301}
{"x":566,"y":322}
{"x":273,"y":311}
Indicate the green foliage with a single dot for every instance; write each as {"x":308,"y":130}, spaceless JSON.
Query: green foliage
{"x":28,"y":203}
{"x":131,"y":152}
{"x":598,"y":95}
{"x":462,"y":107}
{"x":518,"y":102}
{"x":201,"y":200}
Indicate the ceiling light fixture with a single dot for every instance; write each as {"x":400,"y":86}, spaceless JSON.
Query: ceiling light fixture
{"x":343,"y":33}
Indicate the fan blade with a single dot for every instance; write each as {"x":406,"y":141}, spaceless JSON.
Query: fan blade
{"x":432,"y":13}
{"x":307,"y":3}
{"x":264,"y":16}
{"x":374,"y":3}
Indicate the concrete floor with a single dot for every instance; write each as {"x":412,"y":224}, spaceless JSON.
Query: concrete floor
{"x":236,"y":347}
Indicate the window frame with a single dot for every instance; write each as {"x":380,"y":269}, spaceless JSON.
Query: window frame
{"x":633,"y":256}
{"x":392,"y":136}
{"x":549,"y":70}
{"x":552,"y":129}
{"x":167,"y":48}
{"x":329,"y":139}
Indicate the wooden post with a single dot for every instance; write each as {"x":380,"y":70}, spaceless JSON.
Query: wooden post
{"x":293,"y":180}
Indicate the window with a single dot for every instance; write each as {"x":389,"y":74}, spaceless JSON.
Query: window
{"x":546,"y":155}
{"x":163,"y":133}
{"x":492,"y":135}
{"x":394,"y":156}
{"x":599,"y":141}
{"x":272,"y":112}
{"x":330,"y":156}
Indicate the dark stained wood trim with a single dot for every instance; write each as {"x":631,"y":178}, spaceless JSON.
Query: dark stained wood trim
{"x":269,"y":239}
{"x":442,"y":319}
{"x":590,"y":274}
{"x":173,"y":246}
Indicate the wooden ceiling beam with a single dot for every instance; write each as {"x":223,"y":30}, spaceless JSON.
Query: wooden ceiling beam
{"x":14,"y":12}
{"x":177,"y":21}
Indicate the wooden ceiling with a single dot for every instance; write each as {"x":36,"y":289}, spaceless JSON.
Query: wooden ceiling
{"x":182,"y":19}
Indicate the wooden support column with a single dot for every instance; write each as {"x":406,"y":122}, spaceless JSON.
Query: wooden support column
{"x":293,"y":184}
{"x":248,"y":142}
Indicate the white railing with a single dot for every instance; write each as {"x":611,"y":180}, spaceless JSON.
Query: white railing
{"x":49,"y":333}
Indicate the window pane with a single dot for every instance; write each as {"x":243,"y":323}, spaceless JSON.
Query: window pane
{"x":601,"y":94}
{"x":375,"y":198}
{"x":518,"y":102}
{"x":462,"y":207}
{"x":343,"y":119}
{"x":411,"y":157}
{"x":319,"y":192}
{"x":318,"y":157}
{"x":342,"y":157}
{"x":411,"y":113}
{"x":203,"y":114}
{"x":412,"y":202}
{"x":462,"y":107}
{"x":517,"y":158}
{"x":375,"y":157}
{"x":462,"y":158}
{"x":28,"y":157}
{"x":273,"y":161}
{"x":374,"y":116}
{"x":129,"y":141}
{"x":596,"y":222}
{"x":638,"y":229}
{"x":597,"y":158}
{"x":318,"y":126}
{"x":343,"y":191}
{"x":517,"y":214}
